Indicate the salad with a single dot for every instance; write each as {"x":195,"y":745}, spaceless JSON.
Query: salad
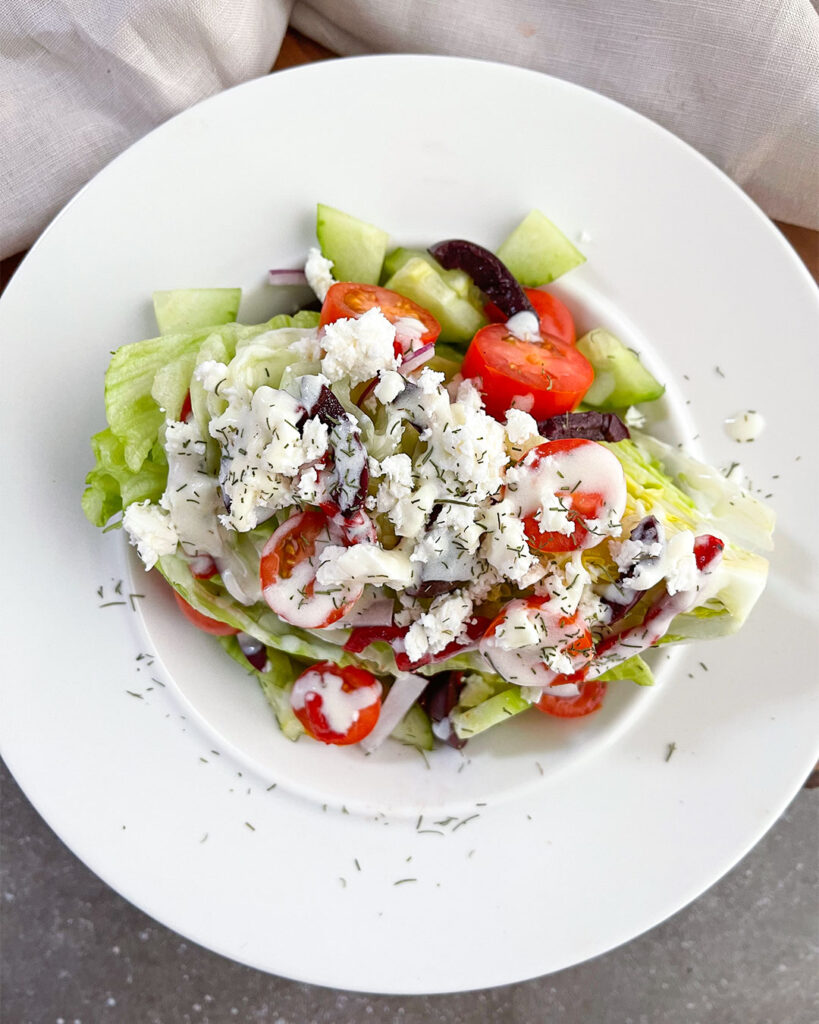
{"x":424,"y":507}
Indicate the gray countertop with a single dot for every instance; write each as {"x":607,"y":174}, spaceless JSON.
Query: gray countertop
{"x":74,"y":952}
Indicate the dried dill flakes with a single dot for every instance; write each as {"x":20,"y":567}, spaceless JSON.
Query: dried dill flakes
{"x":403,"y":881}
{"x":251,"y":827}
{"x":465,"y":821}
{"x":204,"y":838}
{"x":137,"y":695}
{"x":669,"y":753}
{"x":357,"y":865}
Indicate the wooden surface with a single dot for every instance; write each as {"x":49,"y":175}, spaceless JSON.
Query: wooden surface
{"x":298,"y":49}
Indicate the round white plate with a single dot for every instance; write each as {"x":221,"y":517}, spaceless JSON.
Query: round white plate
{"x":155,"y":758}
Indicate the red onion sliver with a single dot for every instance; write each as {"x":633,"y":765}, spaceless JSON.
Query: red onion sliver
{"x":284,"y":277}
{"x":415,"y":360}
{"x":365,"y":394}
{"x":404,"y":692}
{"x":378,"y":612}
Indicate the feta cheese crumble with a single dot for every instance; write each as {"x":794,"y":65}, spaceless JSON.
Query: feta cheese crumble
{"x":319,"y":273}
{"x":358,"y":349}
{"x":151,"y":531}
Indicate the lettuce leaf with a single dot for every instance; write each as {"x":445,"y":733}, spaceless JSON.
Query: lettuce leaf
{"x":276,"y":683}
{"x":146,"y":383}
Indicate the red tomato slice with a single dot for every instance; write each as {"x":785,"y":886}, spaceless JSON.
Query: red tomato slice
{"x":336,"y":705}
{"x":588,"y":700}
{"x":554,"y":376}
{"x":583,"y":505}
{"x":555,"y":318}
{"x":346,"y":299}
{"x":287,"y":570}
{"x":567,"y":634}
{"x":212,"y":626}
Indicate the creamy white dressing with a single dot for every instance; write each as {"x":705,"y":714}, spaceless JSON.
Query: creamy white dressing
{"x":340,"y":707}
{"x":541,"y":486}
{"x":532,"y":646}
{"x":524,"y":325}
{"x":745,"y":426}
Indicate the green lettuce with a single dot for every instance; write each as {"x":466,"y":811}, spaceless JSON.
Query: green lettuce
{"x":276,"y":683}
{"x":146,"y":383}
{"x":685,"y":494}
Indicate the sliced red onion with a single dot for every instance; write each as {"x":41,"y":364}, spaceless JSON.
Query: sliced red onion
{"x":365,"y":394}
{"x":408,"y":333}
{"x":377,"y":612}
{"x":404,"y":692}
{"x":287,"y":277}
{"x":415,"y":360}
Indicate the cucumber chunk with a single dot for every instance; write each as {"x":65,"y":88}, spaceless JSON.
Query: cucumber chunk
{"x":537,"y":252}
{"x":187,"y":309}
{"x":418,"y":280}
{"x":620,"y":379}
{"x":414,"y":729}
{"x":356,"y":248}
{"x":458,"y":280}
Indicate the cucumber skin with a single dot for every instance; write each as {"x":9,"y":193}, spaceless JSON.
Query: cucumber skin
{"x":356,"y":248}
{"x":538,"y":252}
{"x":419,"y":281}
{"x":620,"y":379}
{"x":188,"y":309}
{"x":415,"y":729}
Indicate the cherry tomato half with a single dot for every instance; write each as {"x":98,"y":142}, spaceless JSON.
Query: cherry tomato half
{"x":336,"y":705}
{"x":582,"y":505}
{"x":588,"y":700}
{"x":212,"y":626}
{"x":554,"y":376}
{"x":555,"y":319}
{"x":287,"y":570}
{"x":348,"y":299}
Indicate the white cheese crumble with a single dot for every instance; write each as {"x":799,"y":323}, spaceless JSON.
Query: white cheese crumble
{"x":151,"y":531}
{"x":438,"y":627}
{"x":520,"y":426}
{"x":505,"y":546}
{"x":634,"y":418}
{"x":319,"y":273}
{"x":358,"y":349}
{"x":650,"y":562}
{"x":389,"y":387}
{"x":363,"y":563}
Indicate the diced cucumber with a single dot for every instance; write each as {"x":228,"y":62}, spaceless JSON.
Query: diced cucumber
{"x":356,"y":248}
{"x":458,"y":280}
{"x":620,"y":379}
{"x":396,"y":258}
{"x":537,"y":252}
{"x":503,"y":705}
{"x":414,"y":729}
{"x":186,"y":309}
{"x":458,"y":317}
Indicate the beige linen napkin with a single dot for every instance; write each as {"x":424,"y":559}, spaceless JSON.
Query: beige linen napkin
{"x":82,"y":79}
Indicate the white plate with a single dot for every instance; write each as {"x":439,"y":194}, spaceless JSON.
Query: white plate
{"x":586,"y":834}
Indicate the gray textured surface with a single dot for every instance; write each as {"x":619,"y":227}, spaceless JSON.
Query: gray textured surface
{"x":747,"y":952}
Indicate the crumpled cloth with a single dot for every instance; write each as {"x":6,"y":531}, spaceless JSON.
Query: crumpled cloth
{"x":82,"y":79}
